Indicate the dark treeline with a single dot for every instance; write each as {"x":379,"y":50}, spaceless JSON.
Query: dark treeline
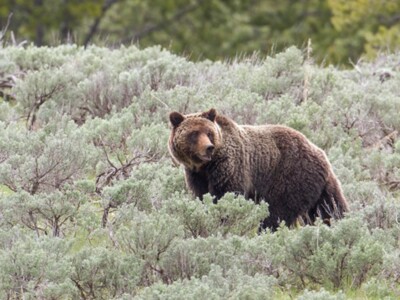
{"x":341,"y":31}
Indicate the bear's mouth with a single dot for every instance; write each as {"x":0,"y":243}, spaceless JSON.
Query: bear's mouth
{"x":202,"y":158}
{"x":206,"y":158}
{"x":207,"y":154}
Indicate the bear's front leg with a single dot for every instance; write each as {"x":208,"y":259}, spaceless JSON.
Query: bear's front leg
{"x":197,"y":183}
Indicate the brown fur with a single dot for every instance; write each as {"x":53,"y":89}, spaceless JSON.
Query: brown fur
{"x":269,"y":163}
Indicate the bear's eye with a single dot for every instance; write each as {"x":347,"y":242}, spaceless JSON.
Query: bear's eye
{"x":210,"y":135}
{"x":193,"y":136}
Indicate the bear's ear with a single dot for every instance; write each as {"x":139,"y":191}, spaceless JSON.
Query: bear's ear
{"x":176,"y":118}
{"x":211,"y":114}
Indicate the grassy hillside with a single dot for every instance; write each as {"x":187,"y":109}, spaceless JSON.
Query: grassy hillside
{"x":92,"y":207}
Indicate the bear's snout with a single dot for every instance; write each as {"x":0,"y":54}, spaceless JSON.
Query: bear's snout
{"x":210,"y":149}
{"x":207,"y":152}
{"x":205,"y":148}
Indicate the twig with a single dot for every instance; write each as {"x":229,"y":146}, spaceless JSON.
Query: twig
{"x":4,"y":30}
{"x":307,"y":65}
{"x":159,"y":100}
{"x":103,"y":147}
{"x":386,"y":140}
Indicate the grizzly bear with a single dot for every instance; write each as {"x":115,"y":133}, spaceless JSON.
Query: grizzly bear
{"x":269,"y":163}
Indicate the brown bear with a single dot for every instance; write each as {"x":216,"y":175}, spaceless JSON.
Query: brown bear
{"x":269,"y":163}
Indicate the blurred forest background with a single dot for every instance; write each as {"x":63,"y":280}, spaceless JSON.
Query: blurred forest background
{"x":341,"y":30}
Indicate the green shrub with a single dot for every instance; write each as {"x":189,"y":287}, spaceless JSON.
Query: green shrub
{"x":345,"y":254}
{"x":216,"y":285}
{"x":320,"y":295}
{"x":34,"y":268}
{"x":231,"y":215}
{"x":92,"y":206}
{"x":100,"y":273}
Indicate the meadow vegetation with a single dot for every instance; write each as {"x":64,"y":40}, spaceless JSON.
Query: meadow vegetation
{"x":92,"y":207}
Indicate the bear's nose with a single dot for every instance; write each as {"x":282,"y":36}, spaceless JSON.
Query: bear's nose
{"x":210,"y":149}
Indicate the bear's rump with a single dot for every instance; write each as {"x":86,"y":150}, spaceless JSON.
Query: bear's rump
{"x":294,"y":186}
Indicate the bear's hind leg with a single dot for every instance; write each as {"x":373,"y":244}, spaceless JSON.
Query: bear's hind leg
{"x":275,"y":219}
{"x":325,"y":209}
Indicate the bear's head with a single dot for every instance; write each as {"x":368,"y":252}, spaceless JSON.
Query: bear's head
{"x":195,"y":138}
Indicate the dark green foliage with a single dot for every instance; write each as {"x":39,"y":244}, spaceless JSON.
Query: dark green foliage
{"x":92,"y":207}
{"x":342,"y":31}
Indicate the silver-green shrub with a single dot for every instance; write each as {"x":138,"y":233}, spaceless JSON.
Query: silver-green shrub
{"x":234,"y":284}
{"x":92,"y":206}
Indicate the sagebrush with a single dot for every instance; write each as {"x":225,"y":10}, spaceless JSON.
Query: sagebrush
{"x":92,"y":207}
